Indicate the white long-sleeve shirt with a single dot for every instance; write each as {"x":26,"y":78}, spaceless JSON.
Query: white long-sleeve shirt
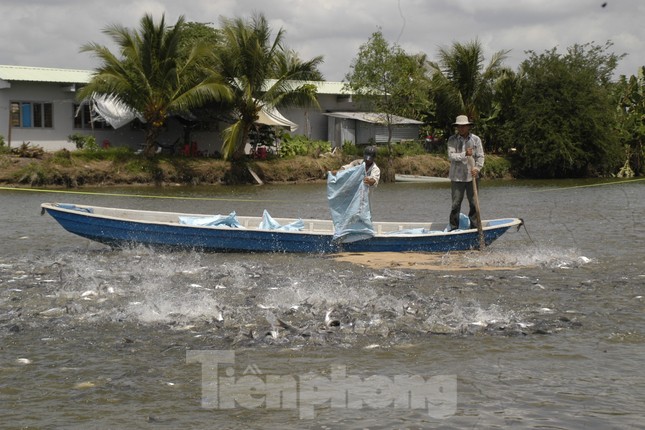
{"x":373,"y":172}
{"x":457,"y":145}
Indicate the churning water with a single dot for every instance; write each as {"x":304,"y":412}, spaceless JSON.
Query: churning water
{"x":543,"y":329}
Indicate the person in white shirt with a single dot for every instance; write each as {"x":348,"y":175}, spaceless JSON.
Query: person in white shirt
{"x":372,"y":171}
{"x":461,"y":146}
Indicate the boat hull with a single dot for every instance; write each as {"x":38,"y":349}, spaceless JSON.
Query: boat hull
{"x":124,"y":232}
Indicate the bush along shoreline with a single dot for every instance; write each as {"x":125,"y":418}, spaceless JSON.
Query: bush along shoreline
{"x":31,"y":166}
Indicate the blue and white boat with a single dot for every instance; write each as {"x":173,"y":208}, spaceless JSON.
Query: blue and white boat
{"x":170,"y":230}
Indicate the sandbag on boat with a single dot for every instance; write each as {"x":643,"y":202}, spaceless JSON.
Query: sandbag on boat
{"x":349,"y":204}
{"x":268,"y":223}
{"x":212,"y":221}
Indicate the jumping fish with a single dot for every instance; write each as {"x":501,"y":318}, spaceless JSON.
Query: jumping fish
{"x":329,"y":321}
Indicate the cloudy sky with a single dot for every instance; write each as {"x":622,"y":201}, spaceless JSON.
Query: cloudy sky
{"x":49,"y":33}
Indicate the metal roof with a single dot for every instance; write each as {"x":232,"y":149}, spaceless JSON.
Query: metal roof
{"x":373,"y":117}
{"x":325,"y":87}
{"x":322,"y":87}
{"x":43,"y":74}
{"x":73,"y":76}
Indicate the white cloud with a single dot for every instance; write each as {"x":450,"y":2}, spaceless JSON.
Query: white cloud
{"x":50,"y":33}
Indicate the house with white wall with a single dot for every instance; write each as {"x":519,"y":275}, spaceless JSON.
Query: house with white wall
{"x":38,"y":106}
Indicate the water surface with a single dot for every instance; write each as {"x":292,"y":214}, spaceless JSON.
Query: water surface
{"x":553,"y":338}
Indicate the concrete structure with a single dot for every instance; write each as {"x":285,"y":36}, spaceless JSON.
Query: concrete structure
{"x":363,"y":128}
{"x":38,"y":106}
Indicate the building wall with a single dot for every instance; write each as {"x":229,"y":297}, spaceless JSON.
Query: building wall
{"x":311,"y":121}
{"x":63,"y":100}
{"x":54,"y":137}
{"x":399,"y":133}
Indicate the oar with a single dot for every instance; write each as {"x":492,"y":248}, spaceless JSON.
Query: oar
{"x":480,"y":230}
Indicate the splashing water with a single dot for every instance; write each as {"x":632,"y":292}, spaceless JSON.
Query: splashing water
{"x":291,"y":298}
{"x":532,"y":256}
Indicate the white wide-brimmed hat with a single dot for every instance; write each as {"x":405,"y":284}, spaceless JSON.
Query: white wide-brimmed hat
{"x":462,"y":120}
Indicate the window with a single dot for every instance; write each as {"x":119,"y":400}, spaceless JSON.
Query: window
{"x":32,"y":115}
{"x":83,"y":118}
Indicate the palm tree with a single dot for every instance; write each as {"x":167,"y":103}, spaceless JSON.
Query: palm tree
{"x":260,"y":72}
{"x":152,"y":75}
{"x":461,"y":84}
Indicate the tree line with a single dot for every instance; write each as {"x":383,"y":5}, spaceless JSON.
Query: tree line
{"x":199,"y":74}
{"x":558,"y":115}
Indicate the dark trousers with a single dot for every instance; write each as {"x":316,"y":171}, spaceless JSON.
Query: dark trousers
{"x":458,"y":189}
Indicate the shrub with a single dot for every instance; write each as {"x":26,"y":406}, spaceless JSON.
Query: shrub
{"x":83,"y":141}
{"x":350,"y":149}
{"x":62,"y":157}
{"x":496,"y":167}
{"x":301,"y":145}
{"x":405,"y":148}
{"x":118,"y":154}
{"x":408,"y":147}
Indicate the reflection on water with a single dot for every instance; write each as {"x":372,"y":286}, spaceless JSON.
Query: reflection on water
{"x":93,"y":337}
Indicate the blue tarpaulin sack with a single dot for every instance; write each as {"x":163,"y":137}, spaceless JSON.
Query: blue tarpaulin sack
{"x":349,"y":204}
{"x":74,"y":207}
{"x":268,"y":223}
{"x":212,"y":221}
{"x":464,"y":223}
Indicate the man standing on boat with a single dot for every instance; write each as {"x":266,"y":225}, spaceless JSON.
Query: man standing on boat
{"x":461,"y":146}
{"x":348,"y":195}
{"x":372,"y":171}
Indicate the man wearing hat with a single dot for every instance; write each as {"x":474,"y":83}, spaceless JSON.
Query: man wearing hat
{"x":461,"y":146}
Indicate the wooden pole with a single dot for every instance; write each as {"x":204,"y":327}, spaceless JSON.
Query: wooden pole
{"x":480,"y":229}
